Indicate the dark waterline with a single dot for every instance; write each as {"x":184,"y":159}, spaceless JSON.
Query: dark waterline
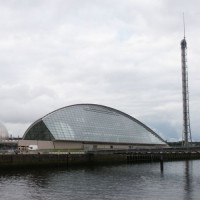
{"x":179,"y":180}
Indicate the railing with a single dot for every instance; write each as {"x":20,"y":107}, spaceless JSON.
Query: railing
{"x":156,"y":150}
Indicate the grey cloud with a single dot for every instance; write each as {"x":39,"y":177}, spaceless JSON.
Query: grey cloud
{"x":122,"y":54}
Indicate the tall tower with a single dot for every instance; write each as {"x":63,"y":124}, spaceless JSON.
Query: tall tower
{"x":185,"y":93}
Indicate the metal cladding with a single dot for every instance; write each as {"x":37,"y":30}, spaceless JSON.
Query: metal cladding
{"x":91,"y":123}
{"x":3,"y":132}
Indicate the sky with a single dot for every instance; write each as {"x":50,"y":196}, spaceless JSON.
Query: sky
{"x":122,"y":54}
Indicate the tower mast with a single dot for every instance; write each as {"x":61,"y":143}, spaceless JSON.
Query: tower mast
{"x":185,"y":93}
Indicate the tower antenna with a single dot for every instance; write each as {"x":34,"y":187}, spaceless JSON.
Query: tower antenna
{"x":185,"y":93}
{"x":184,"y":25}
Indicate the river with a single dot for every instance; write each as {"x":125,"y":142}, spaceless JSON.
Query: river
{"x":178,"y":180}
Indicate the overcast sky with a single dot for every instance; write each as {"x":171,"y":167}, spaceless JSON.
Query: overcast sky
{"x":122,"y":54}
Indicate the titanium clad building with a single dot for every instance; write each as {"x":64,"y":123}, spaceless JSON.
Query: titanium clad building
{"x":3,"y":132}
{"x":89,"y":126}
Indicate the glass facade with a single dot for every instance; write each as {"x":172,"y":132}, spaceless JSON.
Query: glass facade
{"x":92,"y":123}
{"x":39,"y":132}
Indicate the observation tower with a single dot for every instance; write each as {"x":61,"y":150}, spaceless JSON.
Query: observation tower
{"x":185,"y":93}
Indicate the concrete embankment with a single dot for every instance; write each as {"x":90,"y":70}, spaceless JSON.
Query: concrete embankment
{"x":20,"y":160}
{"x":63,"y":159}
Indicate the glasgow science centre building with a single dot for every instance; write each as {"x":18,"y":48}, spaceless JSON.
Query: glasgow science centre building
{"x":90,"y":127}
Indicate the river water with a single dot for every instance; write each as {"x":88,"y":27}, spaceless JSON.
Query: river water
{"x":178,"y":180}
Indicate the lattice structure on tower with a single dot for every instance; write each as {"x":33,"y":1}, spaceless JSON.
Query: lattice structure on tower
{"x":187,"y":137}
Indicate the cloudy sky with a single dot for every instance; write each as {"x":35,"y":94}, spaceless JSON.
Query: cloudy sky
{"x":122,"y":54}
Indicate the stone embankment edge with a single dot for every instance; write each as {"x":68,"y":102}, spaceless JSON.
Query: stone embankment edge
{"x":35,"y":160}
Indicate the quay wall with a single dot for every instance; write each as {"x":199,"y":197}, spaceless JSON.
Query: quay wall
{"x":59,"y":159}
{"x":31,"y":160}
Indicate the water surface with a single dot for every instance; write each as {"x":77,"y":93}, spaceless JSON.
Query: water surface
{"x":179,"y":180}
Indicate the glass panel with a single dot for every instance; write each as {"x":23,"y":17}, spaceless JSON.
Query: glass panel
{"x":39,"y":132}
{"x":99,"y":124}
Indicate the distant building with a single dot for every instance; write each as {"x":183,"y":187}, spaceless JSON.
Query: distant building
{"x":5,"y":143}
{"x":90,"y":126}
{"x":3,"y":132}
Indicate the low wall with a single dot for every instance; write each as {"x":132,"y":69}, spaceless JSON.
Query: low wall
{"x":20,"y":160}
{"x":157,"y":157}
{"x":31,"y":160}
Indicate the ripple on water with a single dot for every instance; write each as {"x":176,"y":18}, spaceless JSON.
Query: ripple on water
{"x":179,"y":180}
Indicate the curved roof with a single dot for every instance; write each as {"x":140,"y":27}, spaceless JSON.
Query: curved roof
{"x":92,"y":123}
{"x":3,"y":132}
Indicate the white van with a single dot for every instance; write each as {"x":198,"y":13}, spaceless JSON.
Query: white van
{"x":33,"y":147}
